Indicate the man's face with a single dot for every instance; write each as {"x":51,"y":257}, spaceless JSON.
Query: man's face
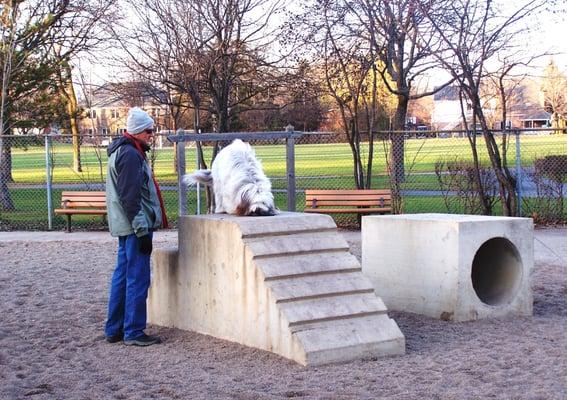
{"x":146,"y":136}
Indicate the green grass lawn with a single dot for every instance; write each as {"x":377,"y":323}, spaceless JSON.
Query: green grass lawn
{"x":312,"y":160}
{"x":316,"y":166}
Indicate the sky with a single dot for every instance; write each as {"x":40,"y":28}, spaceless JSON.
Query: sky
{"x":553,"y":34}
{"x":548,"y":32}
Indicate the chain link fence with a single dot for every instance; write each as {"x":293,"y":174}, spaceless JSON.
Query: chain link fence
{"x":438,"y":173}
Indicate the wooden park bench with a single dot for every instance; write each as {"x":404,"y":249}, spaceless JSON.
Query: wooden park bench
{"x":357,"y":201}
{"x":82,"y":203}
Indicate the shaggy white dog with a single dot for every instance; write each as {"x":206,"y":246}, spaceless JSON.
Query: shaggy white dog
{"x":239,"y":184}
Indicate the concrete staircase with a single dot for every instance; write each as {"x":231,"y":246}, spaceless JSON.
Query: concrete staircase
{"x":286,"y":284}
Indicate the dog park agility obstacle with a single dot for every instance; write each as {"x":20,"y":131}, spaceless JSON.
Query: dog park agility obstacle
{"x":452,"y":267}
{"x":285,"y":283}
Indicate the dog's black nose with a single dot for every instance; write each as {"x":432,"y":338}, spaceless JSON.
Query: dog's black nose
{"x":261,"y":212}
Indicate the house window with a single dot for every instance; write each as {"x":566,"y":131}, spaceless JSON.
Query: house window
{"x":121,"y":131}
{"x":92,"y":114}
{"x":114,"y":113}
{"x":105,"y":131}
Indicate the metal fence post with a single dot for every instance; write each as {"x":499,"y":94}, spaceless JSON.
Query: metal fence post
{"x":518,"y":173}
{"x":182,"y":192}
{"x":290,"y":169}
{"x":48,"y":182}
{"x":198,"y":186}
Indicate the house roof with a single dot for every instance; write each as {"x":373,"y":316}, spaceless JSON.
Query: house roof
{"x":124,"y":94}
{"x":535,"y":115}
{"x":450,"y":93}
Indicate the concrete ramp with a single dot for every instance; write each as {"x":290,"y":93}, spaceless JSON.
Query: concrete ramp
{"x":286,"y":284}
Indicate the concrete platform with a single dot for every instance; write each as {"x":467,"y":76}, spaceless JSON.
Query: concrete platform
{"x":453,"y":267}
{"x":286,"y":284}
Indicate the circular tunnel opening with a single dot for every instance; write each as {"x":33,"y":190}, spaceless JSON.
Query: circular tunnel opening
{"x":496,"y":271}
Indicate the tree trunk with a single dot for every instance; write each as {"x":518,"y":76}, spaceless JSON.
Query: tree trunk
{"x":355,"y":147}
{"x":396,"y":163}
{"x":72,"y":109}
{"x":5,"y":173}
{"x":471,"y":136}
{"x":223,"y":119}
{"x":397,"y":148}
{"x":506,"y":182}
{"x":173,"y":127}
{"x":481,"y":191}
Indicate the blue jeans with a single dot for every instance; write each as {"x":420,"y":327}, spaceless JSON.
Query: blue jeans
{"x":128,"y":290}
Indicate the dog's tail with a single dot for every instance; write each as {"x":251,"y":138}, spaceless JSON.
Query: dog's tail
{"x":203,"y":176}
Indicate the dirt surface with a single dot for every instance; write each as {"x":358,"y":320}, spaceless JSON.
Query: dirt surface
{"x":53,"y":297}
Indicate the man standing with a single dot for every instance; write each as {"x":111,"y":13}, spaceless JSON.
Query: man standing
{"x":135,"y":210}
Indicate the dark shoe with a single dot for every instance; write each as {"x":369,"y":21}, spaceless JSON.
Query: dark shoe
{"x":144,"y":340}
{"x":116,"y":338}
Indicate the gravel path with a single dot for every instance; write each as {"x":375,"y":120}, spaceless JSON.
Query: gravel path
{"x":53,"y":298}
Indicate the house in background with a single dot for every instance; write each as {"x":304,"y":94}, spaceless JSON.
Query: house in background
{"x":535,"y":119}
{"x":448,"y":111}
{"x":525,"y":110}
{"x":106,"y":108}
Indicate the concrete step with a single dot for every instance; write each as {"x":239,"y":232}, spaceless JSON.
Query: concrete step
{"x":306,"y":264}
{"x":282,"y":223}
{"x":313,"y":286}
{"x":296,"y":243}
{"x":337,"y":341}
{"x":324,"y":309}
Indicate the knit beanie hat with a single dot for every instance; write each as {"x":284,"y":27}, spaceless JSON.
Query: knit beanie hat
{"x":138,"y":121}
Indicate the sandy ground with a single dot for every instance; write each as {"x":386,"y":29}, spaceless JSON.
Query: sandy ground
{"x":53,"y":294}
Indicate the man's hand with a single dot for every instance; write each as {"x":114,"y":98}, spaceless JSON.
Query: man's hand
{"x":145,"y":243}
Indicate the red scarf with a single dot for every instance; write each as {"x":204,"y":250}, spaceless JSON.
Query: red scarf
{"x":138,"y":145}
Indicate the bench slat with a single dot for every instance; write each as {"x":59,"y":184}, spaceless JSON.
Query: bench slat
{"x":84,"y":198}
{"x":347,"y":191}
{"x":83,"y":193}
{"x":72,"y":211}
{"x":352,"y":203}
{"x":348,"y":210}
{"x":84,"y":204}
{"x":347,"y":197}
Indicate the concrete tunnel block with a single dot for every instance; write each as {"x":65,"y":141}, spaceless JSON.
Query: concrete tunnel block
{"x":286,"y":284}
{"x":452,"y":267}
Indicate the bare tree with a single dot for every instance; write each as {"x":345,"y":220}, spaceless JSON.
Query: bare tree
{"x":502,"y":90}
{"x":25,"y":31}
{"x":210,"y":56}
{"x":404,"y":42}
{"x":38,"y":39}
{"x":395,"y":41}
{"x":79,"y":33}
{"x":554,"y":88}
{"x":327,"y":32}
{"x":473,"y":33}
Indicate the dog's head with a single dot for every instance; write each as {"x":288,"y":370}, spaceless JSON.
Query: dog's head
{"x":256,"y":203}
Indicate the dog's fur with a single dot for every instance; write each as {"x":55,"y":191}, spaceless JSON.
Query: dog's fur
{"x":239,"y":184}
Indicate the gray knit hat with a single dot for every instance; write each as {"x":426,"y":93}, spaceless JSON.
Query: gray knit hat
{"x":138,"y":121}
